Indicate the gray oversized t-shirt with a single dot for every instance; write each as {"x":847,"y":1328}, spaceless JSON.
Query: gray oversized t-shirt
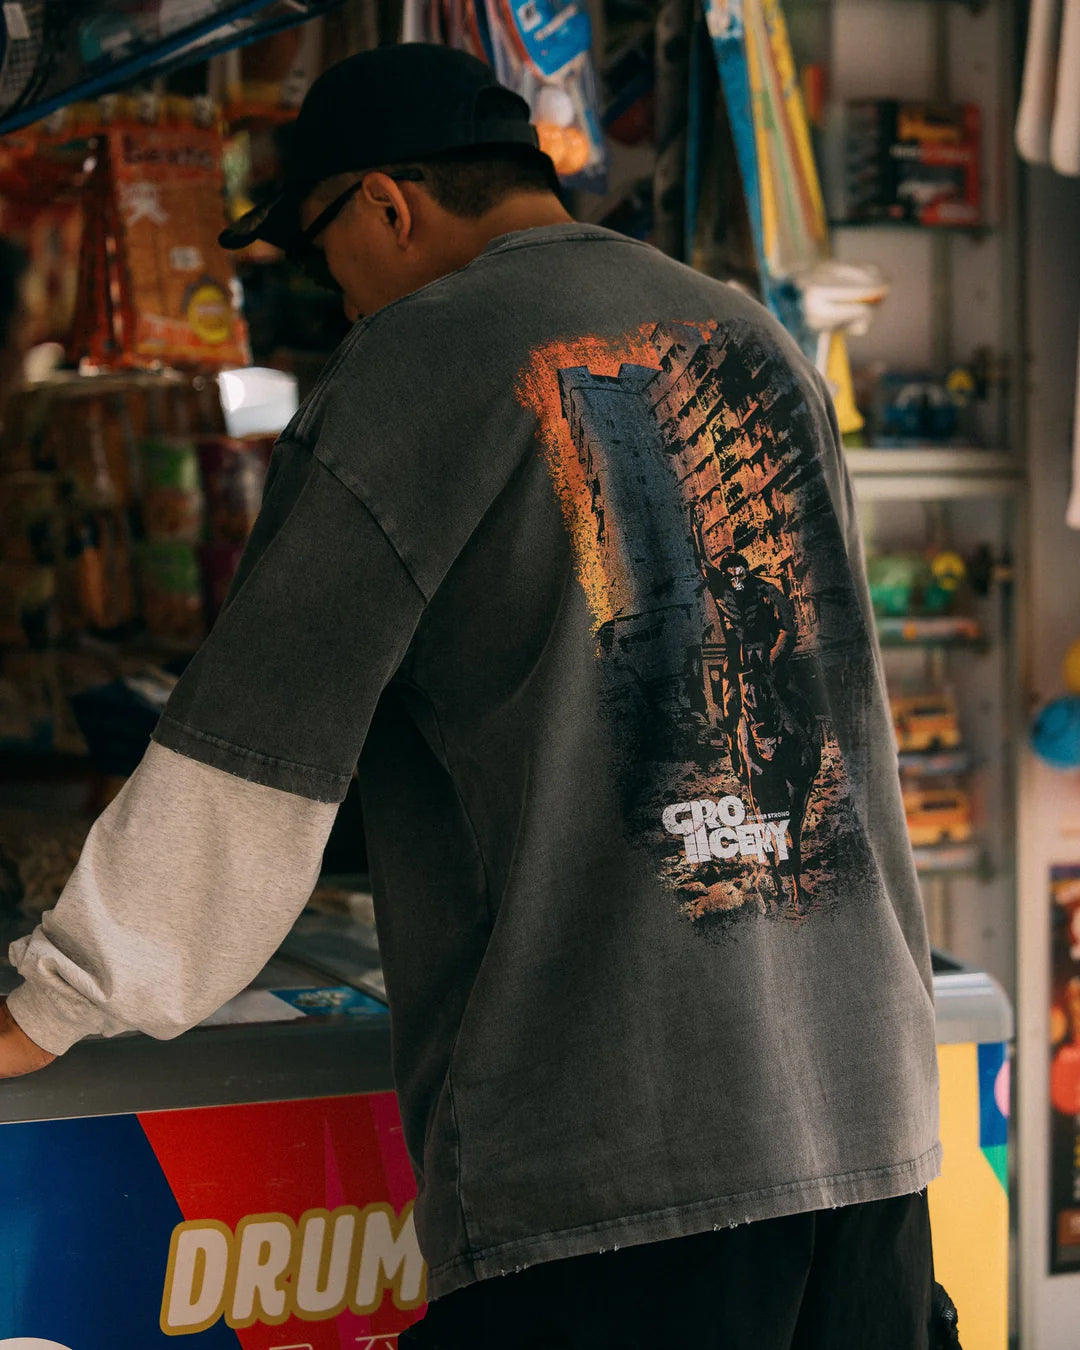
{"x":562,"y":548}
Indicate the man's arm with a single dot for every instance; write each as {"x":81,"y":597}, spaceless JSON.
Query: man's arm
{"x":186,"y":886}
{"x":192,"y":877}
{"x":18,"y":1053}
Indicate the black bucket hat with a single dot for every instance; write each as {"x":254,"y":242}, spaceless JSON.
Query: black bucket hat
{"x":392,"y":105}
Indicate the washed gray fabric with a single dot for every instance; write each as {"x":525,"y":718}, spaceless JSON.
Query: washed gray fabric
{"x":187,"y":884}
{"x":562,"y":547}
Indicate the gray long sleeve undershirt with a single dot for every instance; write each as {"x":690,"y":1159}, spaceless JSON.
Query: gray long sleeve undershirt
{"x":187,"y":885}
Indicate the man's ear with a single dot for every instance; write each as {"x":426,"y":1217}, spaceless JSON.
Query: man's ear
{"x":384,"y":194}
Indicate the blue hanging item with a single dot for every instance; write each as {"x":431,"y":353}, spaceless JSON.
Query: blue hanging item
{"x":1055,"y":732}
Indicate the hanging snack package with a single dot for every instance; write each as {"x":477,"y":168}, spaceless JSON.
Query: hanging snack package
{"x":95,"y":589}
{"x":542,"y":49}
{"x":177,"y":290}
{"x":93,"y":337}
{"x":266,"y":80}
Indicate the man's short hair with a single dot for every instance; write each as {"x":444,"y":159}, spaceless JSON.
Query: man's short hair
{"x":470,"y":182}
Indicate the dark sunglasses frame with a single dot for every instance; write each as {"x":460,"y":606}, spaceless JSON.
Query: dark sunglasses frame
{"x":306,"y":254}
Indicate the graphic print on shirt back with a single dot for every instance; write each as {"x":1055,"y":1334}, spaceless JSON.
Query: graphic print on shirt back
{"x":726,"y":620}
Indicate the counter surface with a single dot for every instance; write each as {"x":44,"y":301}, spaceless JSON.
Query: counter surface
{"x":243,"y":1057}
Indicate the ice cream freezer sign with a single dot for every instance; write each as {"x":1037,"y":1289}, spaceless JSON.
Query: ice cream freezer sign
{"x":278,"y":1226}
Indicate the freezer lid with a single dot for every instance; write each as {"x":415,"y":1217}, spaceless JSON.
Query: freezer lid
{"x":971,"y":1006}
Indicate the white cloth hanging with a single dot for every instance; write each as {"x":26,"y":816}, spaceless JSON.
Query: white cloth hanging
{"x":1039,"y":85}
{"x":1065,"y":127}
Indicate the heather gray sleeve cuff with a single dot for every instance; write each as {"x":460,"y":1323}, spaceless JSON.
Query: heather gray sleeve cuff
{"x":187,"y":885}
{"x":53,"y":1018}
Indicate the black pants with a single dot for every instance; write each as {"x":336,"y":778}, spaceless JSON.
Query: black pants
{"x":855,"y":1278}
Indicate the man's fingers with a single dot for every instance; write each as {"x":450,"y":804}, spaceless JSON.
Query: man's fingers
{"x":18,"y":1053}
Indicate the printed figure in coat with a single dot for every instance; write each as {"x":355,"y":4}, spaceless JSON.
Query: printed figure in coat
{"x":771,"y":733}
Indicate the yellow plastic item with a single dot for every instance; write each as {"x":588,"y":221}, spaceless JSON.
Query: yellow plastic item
{"x":1072,"y":668}
{"x":838,"y":375}
{"x":949,"y":569}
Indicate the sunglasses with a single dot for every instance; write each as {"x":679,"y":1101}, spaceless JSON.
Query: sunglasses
{"x":306,"y":254}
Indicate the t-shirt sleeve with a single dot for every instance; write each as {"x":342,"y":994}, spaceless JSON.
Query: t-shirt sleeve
{"x":318,"y":618}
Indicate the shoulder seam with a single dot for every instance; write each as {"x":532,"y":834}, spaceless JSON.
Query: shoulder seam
{"x":352,"y":338}
{"x":314,"y":399}
{"x":378,"y":523}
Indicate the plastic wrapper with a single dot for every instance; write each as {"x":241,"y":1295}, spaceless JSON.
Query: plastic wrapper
{"x":154,"y":286}
{"x":28,"y":613}
{"x":543,"y":50}
{"x":266,"y":81}
{"x":172,"y":499}
{"x":170,"y":583}
{"x":96,"y":589}
{"x":233,"y":475}
{"x":182,"y":300}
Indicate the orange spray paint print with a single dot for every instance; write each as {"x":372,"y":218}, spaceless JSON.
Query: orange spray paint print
{"x":714,"y":572}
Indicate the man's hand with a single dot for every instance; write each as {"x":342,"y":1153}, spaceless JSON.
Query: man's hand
{"x":18,"y":1053}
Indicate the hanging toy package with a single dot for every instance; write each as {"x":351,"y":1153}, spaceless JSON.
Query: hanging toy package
{"x":543,"y":50}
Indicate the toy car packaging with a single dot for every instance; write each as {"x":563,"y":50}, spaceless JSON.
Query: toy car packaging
{"x":915,"y":162}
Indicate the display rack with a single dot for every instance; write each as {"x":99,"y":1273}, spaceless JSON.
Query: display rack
{"x":955,"y":300}
{"x":54,"y":53}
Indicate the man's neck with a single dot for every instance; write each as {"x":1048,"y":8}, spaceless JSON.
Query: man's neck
{"x":524,"y":211}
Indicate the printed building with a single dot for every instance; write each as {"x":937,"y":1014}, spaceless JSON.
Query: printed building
{"x":727,"y":432}
{"x":652,"y":571}
{"x":709,"y":427}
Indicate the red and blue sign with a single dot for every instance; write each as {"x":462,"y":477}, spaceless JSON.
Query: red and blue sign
{"x":277,"y":1226}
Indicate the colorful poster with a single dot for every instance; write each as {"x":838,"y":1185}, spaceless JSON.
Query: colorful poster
{"x":1065,"y":1069}
{"x":276,"y":1226}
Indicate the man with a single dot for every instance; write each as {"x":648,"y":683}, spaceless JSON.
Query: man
{"x":640,"y":1110}
{"x":757,"y":627}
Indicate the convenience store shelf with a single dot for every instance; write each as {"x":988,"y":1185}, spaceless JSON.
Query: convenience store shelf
{"x":934,"y":472}
{"x":979,"y":230}
{"x":948,"y":859}
{"x":80,"y":51}
{"x":935,"y":763}
{"x":937,"y":631}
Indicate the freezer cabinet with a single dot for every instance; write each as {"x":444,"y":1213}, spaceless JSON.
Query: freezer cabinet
{"x":969,"y":1202}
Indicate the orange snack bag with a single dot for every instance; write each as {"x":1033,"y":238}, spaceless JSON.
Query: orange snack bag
{"x":177,"y":284}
